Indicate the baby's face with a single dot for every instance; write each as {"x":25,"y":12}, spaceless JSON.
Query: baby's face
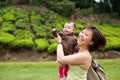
{"x":68,"y":28}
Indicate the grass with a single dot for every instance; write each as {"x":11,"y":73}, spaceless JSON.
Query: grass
{"x":28,"y":71}
{"x":48,"y":70}
{"x":112,"y":68}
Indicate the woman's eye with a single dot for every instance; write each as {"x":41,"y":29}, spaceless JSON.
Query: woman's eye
{"x":86,"y":34}
{"x":82,"y":32}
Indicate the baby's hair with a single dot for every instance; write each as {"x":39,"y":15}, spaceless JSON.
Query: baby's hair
{"x":73,"y":23}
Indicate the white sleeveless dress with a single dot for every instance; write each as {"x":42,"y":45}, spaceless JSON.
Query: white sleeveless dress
{"x":76,"y":73}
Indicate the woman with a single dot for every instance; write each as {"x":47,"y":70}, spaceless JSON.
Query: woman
{"x":90,"y":39}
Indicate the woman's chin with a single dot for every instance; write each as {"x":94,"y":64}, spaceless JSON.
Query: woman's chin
{"x":81,"y":42}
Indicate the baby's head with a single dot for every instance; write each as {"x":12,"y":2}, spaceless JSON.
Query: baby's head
{"x":69,"y":28}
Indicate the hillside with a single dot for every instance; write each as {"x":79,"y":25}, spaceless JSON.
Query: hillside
{"x":25,"y":27}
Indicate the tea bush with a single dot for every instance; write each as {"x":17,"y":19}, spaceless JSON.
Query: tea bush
{"x":39,"y":31}
{"x":23,"y":34}
{"x":7,"y":27}
{"x":9,"y":17}
{"x":30,"y":27}
{"x":6,"y":38}
{"x":52,"y":48}
{"x":35,"y":19}
{"x":1,"y":19}
{"x":22,"y":24}
{"x":22,"y":43}
{"x":41,"y":44}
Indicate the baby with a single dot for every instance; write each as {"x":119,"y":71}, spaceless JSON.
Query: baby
{"x":69,"y":42}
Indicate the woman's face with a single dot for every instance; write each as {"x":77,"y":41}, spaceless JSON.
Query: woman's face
{"x":85,"y":37}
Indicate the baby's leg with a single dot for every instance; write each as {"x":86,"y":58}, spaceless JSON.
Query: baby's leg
{"x":66,"y":68}
{"x":60,"y":71}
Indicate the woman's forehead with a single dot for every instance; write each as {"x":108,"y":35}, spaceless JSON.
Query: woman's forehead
{"x":87,"y":30}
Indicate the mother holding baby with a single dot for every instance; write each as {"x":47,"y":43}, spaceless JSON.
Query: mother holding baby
{"x":89,"y":39}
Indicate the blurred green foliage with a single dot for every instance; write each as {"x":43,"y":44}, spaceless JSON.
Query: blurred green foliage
{"x":65,"y":7}
{"x":7,"y":27}
{"x":41,"y":44}
{"x":21,"y":44}
{"x":6,"y":38}
{"x":23,"y":34}
{"x":31,"y":28}
{"x":52,"y":48}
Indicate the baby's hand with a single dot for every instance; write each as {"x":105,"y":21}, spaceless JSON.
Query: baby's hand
{"x":58,"y":38}
{"x":54,"y":32}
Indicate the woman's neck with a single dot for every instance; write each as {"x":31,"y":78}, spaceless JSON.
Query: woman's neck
{"x":83,"y":48}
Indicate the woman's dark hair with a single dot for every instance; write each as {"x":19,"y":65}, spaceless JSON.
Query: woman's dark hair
{"x":98,"y":39}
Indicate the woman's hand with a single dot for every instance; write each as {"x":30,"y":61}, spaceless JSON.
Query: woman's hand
{"x":58,"y":38}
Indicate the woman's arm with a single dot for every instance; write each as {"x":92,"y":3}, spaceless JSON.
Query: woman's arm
{"x":72,"y":59}
{"x":60,"y":52}
{"x":78,"y":58}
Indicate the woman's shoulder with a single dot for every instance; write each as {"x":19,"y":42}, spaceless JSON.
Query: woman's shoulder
{"x":85,"y":53}
{"x":82,"y":57}
{"x":88,"y":55}
{"x":86,"y":59}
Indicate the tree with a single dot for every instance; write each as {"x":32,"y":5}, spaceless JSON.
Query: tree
{"x":22,"y":1}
